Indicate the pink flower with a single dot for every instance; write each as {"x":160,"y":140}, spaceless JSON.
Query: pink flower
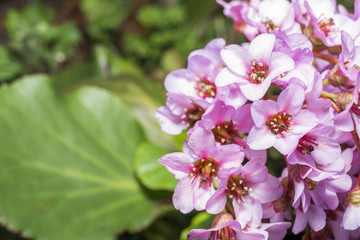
{"x":197,"y":168}
{"x":230,"y":126}
{"x":272,"y":15}
{"x":280,"y":124}
{"x":249,"y":186}
{"x":327,"y":27}
{"x":180,"y":113}
{"x":253,"y":68}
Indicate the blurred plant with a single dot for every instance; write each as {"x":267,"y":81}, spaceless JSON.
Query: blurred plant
{"x":9,"y":65}
{"x":37,"y":41}
{"x":104,"y":17}
{"x":164,"y":27}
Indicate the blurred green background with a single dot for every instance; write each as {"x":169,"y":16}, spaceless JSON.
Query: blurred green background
{"x":58,"y":59}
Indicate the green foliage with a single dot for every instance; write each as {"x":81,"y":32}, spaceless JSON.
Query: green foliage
{"x":36,"y":40}
{"x":164,"y":28}
{"x":67,"y":163}
{"x":155,"y":17}
{"x":9,"y":65}
{"x":152,"y":174}
{"x":104,"y":16}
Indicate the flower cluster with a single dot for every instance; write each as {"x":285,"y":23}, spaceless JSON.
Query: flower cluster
{"x":294,"y":87}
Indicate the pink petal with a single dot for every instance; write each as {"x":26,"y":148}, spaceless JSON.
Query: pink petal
{"x":260,"y":138}
{"x":237,"y":58}
{"x":263,"y":110}
{"x":229,"y":156}
{"x":301,"y":221}
{"x":291,"y":99}
{"x":317,"y":217}
{"x":303,"y":122}
{"x":183,"y":196}
{"x":178,"y":82}
{"x":202,"y":143}
{"x":261,"y":47}
{"x":286,"y":142}
{"x":267,"y":191}
{"x":280,"y":63}
{"x":178,"y":163}
{"x":255,"y":91}
{"x":217,"y":201}
{"x":255,"y":171}
{"x":168,"y":122}
{"x":227,"y":77}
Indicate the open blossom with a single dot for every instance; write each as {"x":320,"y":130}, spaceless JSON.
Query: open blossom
{"x":280,"y":124}
{"x":327,"y":27}
{"x":197,"y":168}
{"x":272,"y":15}
{"x":180,"y":113}
{"x":224,"y":227}
{"x":253,"y":68}
{"x":249,"y":186}
{"x":230,"y":126}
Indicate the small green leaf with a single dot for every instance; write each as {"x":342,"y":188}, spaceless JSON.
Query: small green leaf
{"x":152,"y":174}
{"x":202,"y":220}
{"x":67,"y":163}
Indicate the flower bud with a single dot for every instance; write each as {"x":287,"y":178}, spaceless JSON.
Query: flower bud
{"x":335,"y":79}
{"x":344,"y":98}
{"x":221,"y":219}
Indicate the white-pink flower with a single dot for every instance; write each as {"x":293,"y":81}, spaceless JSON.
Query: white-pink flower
{"x":253,"y":68}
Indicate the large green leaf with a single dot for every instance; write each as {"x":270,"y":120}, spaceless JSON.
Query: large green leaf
{"x":67,"y":163}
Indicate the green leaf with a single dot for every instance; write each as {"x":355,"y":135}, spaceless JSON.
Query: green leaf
{"x":67,"y":163}
{"x":202,"y":220}
{"x":152,"y":174}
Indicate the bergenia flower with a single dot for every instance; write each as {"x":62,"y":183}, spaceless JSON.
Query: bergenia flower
{"x":253,"y":68}
{"x":280,"y":124}
{"x":224,"y":227}
{"x":272,"y":15}
{"x":230,"y":125}
{"x":249,"y":186}
{"x":197,"y":168}
{"x":180,"y":113}
{"x":327,"y":28}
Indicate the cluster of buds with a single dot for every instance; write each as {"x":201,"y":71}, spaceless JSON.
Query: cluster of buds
{"x":294,"y":87}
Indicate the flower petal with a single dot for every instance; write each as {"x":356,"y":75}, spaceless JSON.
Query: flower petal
{"x":261,"y":47}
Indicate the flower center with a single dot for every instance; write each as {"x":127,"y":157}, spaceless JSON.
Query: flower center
{"x":206,"y":169}
{"x":355,"y":109}
{"x":354,"y":197}
{"x":306,"y":145}
{"x":271,"y":26}
{"x":205,"y":88}
{"x":226,"y":132}
{"x":327,"y":26}
{"x":296,"y":171}
{"x":348,"y":65}
{"x":192,"y":115}
{"x":258,"y":72}
{"x":279,"y":123}
{"x":237,"y":189}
